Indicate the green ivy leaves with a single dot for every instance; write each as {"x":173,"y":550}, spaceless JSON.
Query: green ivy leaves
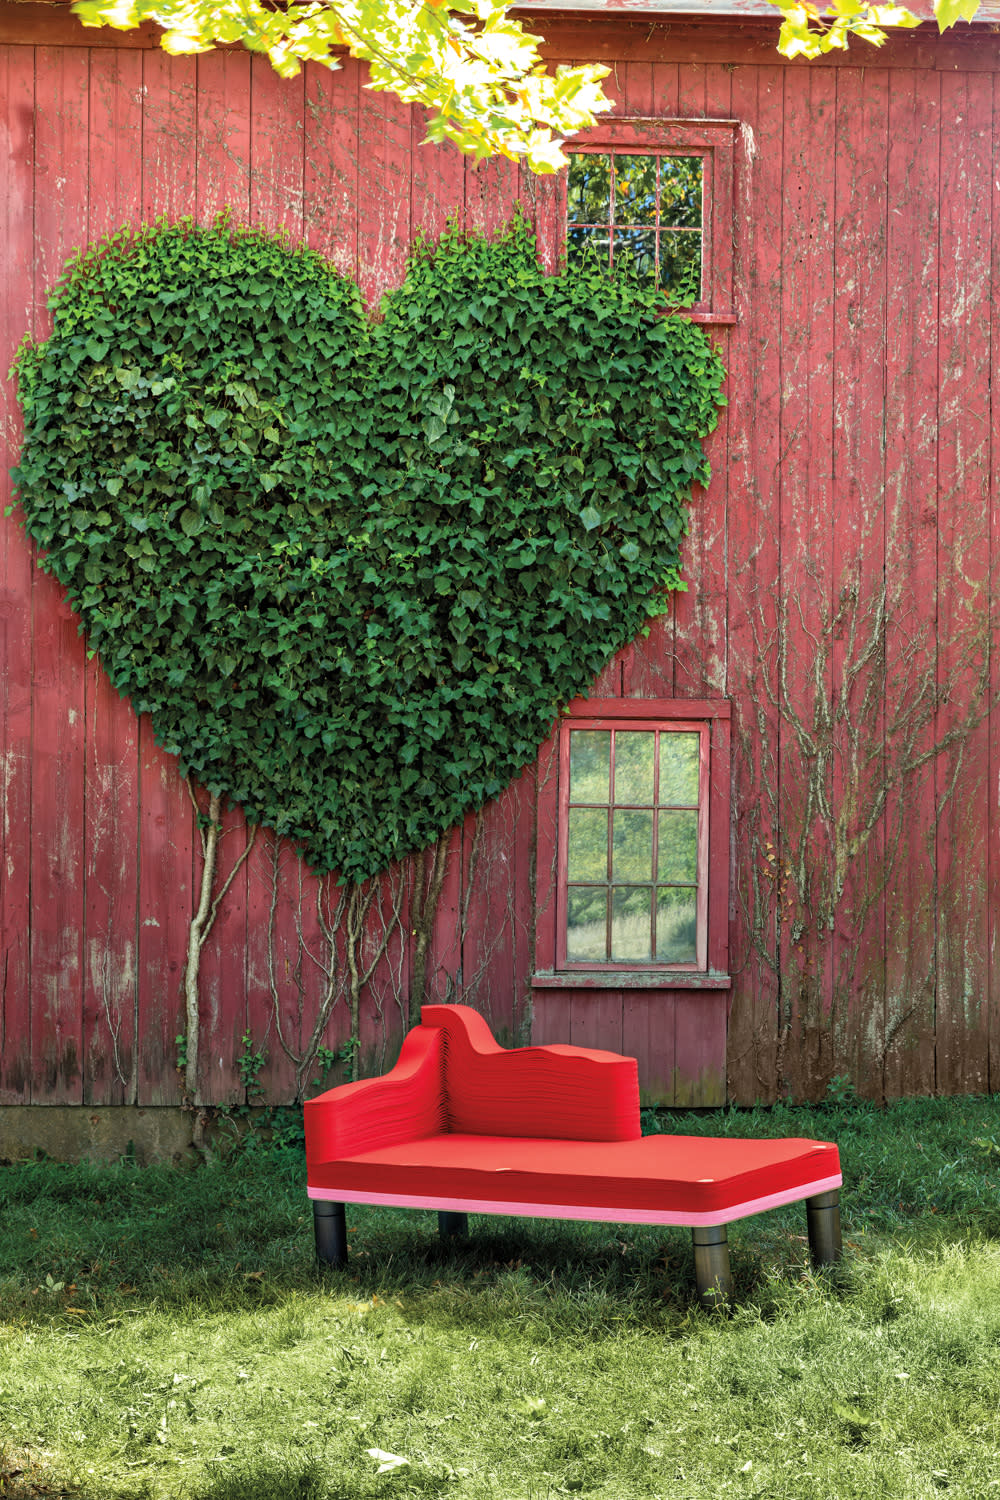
{"x":353,"y":569}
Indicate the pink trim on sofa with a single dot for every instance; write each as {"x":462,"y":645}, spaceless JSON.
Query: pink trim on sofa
{"x":602,"y":1215}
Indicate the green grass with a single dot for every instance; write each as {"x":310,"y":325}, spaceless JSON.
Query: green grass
{"x":165,"y":1334}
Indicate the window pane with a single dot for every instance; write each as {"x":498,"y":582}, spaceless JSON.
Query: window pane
{"x":680,"y":263}
{"x":678,"y":847}
{"x":634,"y":750}
{"x":676,"y":926}
{"x":679,"y":754}
{"x":588,"y":192}
{"x":630,"y":934}
{"x":587,"y":926}
{"x":680,"y":191}
{"x":588,"y":844}
{"x":588,"y":247}
{"x":632,"y":852}
{"x":590,"y":765}
{"x":635,"y":190}
{"x":636,"y":250}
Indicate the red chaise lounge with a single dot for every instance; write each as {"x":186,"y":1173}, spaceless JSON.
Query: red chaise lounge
{"x":463,"y":1126}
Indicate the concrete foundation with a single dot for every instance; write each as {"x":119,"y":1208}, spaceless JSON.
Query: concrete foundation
{"x":72,"y":1132}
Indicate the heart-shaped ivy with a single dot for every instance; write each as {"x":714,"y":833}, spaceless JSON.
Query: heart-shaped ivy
{"x":352,"y":569}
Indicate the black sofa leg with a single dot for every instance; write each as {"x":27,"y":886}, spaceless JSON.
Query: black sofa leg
{"x":330,"y":1224}
{"x":711,"y":1266}
{"x":452,"y":1226}
{"x":823,"y":1219}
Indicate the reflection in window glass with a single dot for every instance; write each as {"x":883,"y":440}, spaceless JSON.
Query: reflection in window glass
{"x":632,"y":846}
{"x":679,"y":755}
{"x":643,"y":211}
{"x":680,"y":192}
{"x":630,"y":925}
{"x":588,"y":198}
{"x":676,"y":925}
{"x":587,"y":926}
{"x":635,"y":189}
{"x":589,"y":765}
{"x":635,"y":754}
{"x":588,"y":844}
{"x":678,"y":860}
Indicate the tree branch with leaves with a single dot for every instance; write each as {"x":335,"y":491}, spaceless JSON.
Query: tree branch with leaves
{"x":477,"y":71}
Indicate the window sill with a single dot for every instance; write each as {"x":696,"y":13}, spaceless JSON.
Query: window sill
{"x":716,"y":319}
{"x":630,"y":979}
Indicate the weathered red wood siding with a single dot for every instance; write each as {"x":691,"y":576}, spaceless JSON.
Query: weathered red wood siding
{"x":842,"y":569}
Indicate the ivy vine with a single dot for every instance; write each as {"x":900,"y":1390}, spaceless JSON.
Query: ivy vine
{"x":352,"y":568}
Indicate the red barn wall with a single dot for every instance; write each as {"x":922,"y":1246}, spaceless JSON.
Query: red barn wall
{"x":842,"y":568}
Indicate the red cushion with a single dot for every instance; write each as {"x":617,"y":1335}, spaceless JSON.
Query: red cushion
{"x":406,"y":1102}
{"x":691,"y":1174}
{"x":566,"y":1093}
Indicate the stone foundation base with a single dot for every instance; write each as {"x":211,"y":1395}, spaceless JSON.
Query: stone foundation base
{"x":72,"y":1132}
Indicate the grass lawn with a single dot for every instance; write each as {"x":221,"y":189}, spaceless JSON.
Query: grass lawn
{"x":166,"y":1334}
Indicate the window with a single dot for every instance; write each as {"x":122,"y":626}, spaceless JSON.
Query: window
{"x":658,"y":193}
{"x":634,"y":847}
{"x":646,"y":210}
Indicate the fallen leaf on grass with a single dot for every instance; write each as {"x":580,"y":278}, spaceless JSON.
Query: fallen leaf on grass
{"x":387,"y":1462}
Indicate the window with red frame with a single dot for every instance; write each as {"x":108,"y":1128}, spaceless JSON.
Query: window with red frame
{"x":634,"y":845}
{"x":633,"y":869}
{"x":659,"y":194}
{"x":641,"y":210}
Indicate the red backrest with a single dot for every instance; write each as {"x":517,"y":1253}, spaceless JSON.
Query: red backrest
{"x":555,"y":1093}
{"x":404,"y":1104}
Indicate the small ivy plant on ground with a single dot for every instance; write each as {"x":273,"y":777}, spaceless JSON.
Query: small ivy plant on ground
{"x":353,"y":568}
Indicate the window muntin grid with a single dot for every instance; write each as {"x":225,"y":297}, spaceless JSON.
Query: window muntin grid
{"x":634,"y":875}
{"x":645,"y":208}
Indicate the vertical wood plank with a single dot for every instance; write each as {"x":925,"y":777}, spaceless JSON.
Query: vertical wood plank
{"x":596,"y":1019}
{"x":115,"y":140}
{"x":332,"y":146}
{"x":648,"y":662}
{"x":524,"y":904}
{"x":17,"y":149}
{"x":224,"y":182}
{"x":552,"y":1018}
{"x":166,"y":827}
{"x":491,"y":190}
{"x":223,"y":134}
{"x":666,"y":91}
{"x":383,"y":194}
{"x":805,"y":626}
{"x":111,"y":831}
{"x":165,"y":910}
{"x":386,"y":959}
{"x":222,"y":972}
{"x":438,"y":184}
{"x":963,"y":580}
{"x":692,"y":81}
{"x":488,"y":918}
{"x":639,"y":90}
{"x":169,"y":135}
{"x":281,"y":977}
{"x":277,"y":149}
{"x":699,"y":1048}
{"x":754,"y":560}
{"x":648,"y":1036}
{"x":110,"y":995}
{"x":858,"y":574}
{"x":911,"y":577}
{"x":443,"y":976}
{"x":57,"y":773}
{"x":993,"y":723}
{"x":700,"y":611}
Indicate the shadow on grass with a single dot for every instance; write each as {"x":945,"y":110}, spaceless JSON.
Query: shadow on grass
{"x":103,"y":1241}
